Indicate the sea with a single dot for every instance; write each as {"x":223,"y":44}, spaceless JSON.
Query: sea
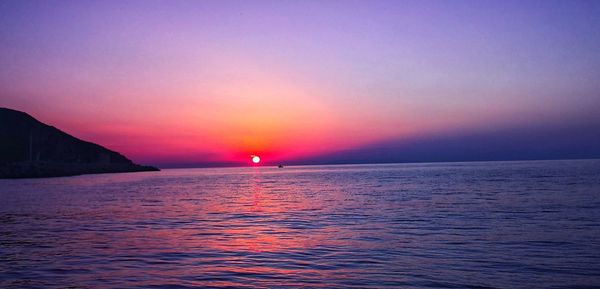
{"x":518,"y":224}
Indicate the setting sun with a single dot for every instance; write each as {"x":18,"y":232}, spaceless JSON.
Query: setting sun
{"x":391,"y":143}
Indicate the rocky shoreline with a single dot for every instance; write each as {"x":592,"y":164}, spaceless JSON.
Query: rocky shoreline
{"x":46,"y":169}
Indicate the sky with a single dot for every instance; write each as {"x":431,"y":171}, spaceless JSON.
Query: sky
{"x":193,"y":83}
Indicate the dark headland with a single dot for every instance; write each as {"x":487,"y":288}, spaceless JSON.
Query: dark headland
{"x":32,"y":149}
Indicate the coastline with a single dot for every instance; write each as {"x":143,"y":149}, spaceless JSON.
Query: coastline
{"x":22,"y":170}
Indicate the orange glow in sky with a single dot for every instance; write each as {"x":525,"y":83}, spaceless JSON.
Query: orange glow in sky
{"x":209,"y":82}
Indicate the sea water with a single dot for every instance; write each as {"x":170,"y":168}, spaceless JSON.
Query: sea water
{"x":532,"y":224}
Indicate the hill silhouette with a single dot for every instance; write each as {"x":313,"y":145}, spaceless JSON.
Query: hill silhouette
{"x":30,"y":149}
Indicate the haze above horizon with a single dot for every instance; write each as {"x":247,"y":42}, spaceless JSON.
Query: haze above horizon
{"x":198,"y":83}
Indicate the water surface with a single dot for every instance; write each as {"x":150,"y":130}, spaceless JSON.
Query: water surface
{"x":451,"y":225}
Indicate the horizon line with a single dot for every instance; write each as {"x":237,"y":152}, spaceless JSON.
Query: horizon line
{"x":364,"y":163}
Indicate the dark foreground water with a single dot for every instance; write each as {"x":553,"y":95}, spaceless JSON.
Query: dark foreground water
{"x":457,"y":225}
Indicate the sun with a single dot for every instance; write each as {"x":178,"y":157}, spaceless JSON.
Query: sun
{"x":255,"y":159}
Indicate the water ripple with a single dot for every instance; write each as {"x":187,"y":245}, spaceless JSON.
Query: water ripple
{"x":461,"y":225}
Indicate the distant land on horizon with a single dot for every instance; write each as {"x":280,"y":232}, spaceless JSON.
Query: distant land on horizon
{"x":32,"y":149}
{"x":571,"y":140}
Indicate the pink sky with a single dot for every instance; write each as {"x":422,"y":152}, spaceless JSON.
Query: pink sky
{"x":200,"y":82}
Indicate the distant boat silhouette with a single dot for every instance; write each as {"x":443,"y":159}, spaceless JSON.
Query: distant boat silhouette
{"x":280,"y":166}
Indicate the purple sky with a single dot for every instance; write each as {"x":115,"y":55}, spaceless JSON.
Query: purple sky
{"x":216,"y":81}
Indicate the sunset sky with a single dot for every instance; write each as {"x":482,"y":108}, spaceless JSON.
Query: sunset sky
{"x":213,"y":82}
